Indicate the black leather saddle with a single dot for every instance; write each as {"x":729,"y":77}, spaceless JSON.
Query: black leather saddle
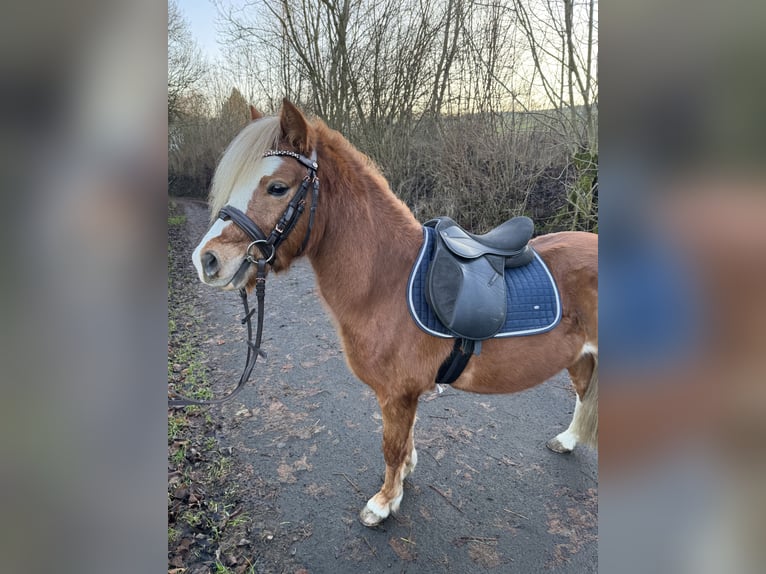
{"x":465,"y":284}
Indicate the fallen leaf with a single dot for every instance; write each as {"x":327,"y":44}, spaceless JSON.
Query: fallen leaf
{"x":401,"y":549}
{"x":285,"y":472}
{"x":302,"y":464}
{"x":484,"y":555}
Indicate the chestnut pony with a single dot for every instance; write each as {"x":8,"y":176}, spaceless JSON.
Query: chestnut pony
{"x":362,"y":245}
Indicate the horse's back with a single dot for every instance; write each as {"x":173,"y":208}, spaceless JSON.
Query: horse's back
{"x":572,"y":257}
{"x":569,"y":251}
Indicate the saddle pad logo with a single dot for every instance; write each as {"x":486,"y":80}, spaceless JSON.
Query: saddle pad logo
{"x":533,"y":303}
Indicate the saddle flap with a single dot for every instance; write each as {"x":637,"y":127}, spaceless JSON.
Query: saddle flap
{"x":467,"y":295}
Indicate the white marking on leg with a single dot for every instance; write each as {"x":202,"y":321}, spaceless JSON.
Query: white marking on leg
{"x":409,"y":467}
{"x":589,"y":349}
{"x":380,"y":511}
{"x":568,"y":438}
{"x":373,"y":513}
{"x":394,"y":506}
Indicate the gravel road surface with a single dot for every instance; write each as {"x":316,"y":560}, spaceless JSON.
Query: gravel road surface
{"x":305,"y":436}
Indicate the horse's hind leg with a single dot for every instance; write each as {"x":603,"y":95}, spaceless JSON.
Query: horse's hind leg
{"x":584,"y":425}
{"x":400,"y":456}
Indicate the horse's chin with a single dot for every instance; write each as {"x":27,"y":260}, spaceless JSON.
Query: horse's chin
{"x":242,"y":277}
{"x":248,"y":281}
{"x":222,"y":285}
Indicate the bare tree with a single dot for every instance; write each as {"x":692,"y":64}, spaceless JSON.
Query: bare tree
{"x":186,"y":66}
{"x":506,"y":88}
{"x":562,"y":46}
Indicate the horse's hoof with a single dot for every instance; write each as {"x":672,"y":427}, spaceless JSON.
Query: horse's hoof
{"x":555,"y":445}
{"x":370,"y":518}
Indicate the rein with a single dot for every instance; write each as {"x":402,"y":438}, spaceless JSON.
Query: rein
{"x":267,"y":245}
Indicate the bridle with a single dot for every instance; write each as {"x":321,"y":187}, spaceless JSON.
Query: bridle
{"x":267,"y":245}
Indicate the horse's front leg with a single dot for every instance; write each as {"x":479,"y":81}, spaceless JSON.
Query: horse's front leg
{"x":400,"y":456}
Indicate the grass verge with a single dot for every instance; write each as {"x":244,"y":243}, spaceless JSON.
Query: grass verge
{"x":207,"y":527}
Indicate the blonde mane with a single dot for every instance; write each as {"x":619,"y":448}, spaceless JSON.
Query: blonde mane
{"x":241,"y":159}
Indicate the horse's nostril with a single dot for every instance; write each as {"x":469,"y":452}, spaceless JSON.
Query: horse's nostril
{"x":210,"y":264}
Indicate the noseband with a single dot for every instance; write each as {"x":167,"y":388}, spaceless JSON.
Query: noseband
{"x":267,"y":245}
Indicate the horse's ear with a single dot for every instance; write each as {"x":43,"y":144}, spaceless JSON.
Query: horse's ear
{"x":255,"y":114}
{"x":294,"y":126}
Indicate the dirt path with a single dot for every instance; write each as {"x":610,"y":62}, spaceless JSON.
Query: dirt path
{"x":305,"y":439}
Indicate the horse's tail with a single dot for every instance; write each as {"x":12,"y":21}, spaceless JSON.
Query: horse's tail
{"x":585,"y":426}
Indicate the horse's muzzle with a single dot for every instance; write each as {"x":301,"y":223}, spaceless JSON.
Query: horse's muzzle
{"x":210,"y":265}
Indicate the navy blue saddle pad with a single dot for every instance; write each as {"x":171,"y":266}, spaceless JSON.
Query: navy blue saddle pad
{"x":534,"y":305}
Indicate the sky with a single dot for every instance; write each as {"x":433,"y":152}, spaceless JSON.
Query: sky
{"x":201,"y":15}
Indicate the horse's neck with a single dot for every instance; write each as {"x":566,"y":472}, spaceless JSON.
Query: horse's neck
{"x":369,"y":243}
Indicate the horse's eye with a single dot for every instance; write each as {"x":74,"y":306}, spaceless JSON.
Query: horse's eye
{"x":277,"y":189}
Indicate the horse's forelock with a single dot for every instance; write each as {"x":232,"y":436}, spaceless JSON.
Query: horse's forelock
{"x":241,"y":159}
